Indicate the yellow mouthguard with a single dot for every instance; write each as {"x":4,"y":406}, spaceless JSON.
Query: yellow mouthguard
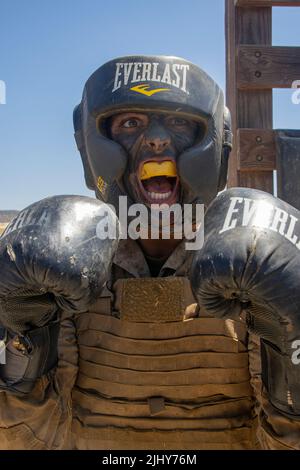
{"x":152,"y":169}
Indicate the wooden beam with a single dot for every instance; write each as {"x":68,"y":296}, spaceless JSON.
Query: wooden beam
{"x":231,"y":88}
{"x":288,"y":166}
{"x":250,"y":109}
{"x":267,"y":3}
{"x":266,"y":67}
{"x":256,"y":149}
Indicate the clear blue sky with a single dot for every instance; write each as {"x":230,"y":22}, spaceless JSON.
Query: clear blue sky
{"x":49,"y":48}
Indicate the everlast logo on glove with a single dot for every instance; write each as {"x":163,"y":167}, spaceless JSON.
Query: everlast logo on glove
{"x":134,"y":72}
{"x":27,"y":217}
{"x":246,"y":212}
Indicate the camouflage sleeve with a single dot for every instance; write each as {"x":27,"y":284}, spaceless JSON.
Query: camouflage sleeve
{"x":42,"y":419}
{"x":275,"y":431}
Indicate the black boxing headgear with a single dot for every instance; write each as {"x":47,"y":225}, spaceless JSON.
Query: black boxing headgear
{"x":160,"y":84}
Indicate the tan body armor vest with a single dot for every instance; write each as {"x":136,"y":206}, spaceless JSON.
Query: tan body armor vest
{"x":155,"y":375}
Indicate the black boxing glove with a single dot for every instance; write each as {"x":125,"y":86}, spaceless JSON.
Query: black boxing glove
{"x":250,"y":262}
{"x":51,"y":259}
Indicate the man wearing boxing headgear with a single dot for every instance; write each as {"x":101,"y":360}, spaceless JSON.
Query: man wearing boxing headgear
{"x":141,"y":343}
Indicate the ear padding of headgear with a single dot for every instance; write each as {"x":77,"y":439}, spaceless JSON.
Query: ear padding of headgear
{"x":104,"y":160}
{"x":227,"y":147}
{"x":203,"y":167}
{"x":81,"y":147}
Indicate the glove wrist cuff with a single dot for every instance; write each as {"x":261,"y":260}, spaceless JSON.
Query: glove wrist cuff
{"x":281,"y":378}
{"x":28,"y":357}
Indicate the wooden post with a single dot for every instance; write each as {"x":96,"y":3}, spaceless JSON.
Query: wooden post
{"x":250,"y":108}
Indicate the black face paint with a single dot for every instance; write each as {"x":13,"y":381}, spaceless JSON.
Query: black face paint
{"x":158,"y":137}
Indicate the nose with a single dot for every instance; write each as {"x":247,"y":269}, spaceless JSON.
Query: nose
{"x":157,"y":138}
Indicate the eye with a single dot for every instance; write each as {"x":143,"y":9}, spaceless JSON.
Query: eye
{"x":131,"y":123}
{"x":179,"y":122}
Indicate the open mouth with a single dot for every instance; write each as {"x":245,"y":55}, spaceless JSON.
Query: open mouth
{"x":158,"y":182}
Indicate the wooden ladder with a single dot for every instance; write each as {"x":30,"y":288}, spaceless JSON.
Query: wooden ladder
{"x":253,"y":68}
